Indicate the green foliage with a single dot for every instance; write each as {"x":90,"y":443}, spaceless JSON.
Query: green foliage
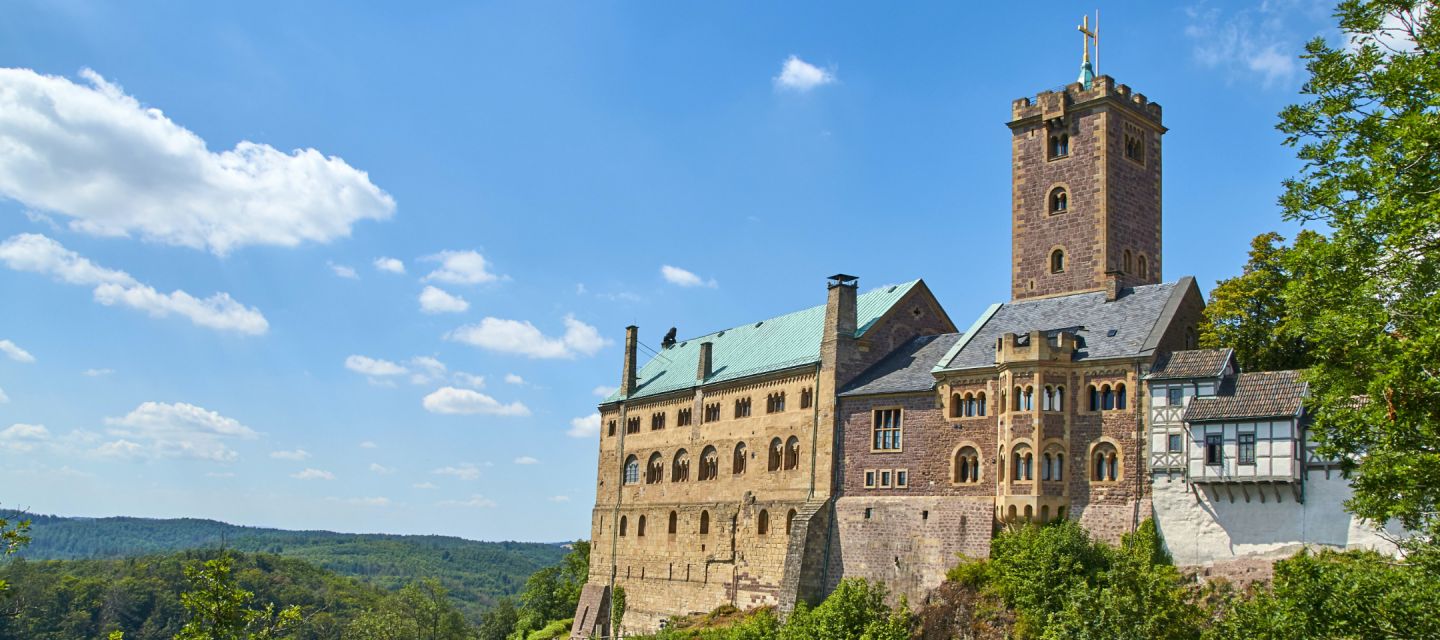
{"x":1367,"y":295}
{"x":725,"y":623}
{"x":552,"y":593}
{"x":1248,"y":313}
{"x":420,"y":611}
{"x":1035,"y":570}
{"x":555,"y":629}
{"x":476,"y":574}
{"x":12,"y":538}
{"x":499,"y":621}
{"x":1338,"y":595}
{"x":220,"y":610}
{"x":856,"y":609}
{"x":617,"y":609}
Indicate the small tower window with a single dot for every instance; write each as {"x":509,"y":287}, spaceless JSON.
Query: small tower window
{"x":1128,"y":262}
{"x":1059,"y":200}
{"x":1057,"y":261}
{"x":1059,"y":146}
{"x":1144,"y":268}
{"x":1134,"y":144}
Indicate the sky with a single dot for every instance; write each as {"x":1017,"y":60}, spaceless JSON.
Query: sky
{"x":367,"y":266}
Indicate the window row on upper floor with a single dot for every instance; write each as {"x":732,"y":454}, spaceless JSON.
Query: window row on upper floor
{"x":780,"y":456}
{"x":741,"y":408}
{"x":762,"y":523}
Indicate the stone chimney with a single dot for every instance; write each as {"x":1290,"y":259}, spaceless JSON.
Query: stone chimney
{"x":1113,"y":285}
{"x":627,"y":375}
{"x":837,"y":345}
{"x":702,"y":370}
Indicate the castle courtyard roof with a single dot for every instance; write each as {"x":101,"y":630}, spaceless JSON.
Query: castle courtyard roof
{"x":774,"y":344}
{"x":906,"y":369}
{"x":1195,"y":363}
{"x":1261,"y":394}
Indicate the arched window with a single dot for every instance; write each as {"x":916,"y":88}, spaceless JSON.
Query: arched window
{"x":704,"y":522}
{"x":1024,"y":463}
{"x":1144,"y":268}
{"x":1128,"y":264}
{"x":970,"y":410}
{"x":1059,"y":146}
{"x":1004,"y":402}
{"x":777,"y":451}
{"x":1000,"y":465}
{"x":738,"y":467}
{"x":632,"y":470}
{"x":1107,"y":398}
{"x":1047,"y":398}
{"x":1059,"y":200}
{"x":792,"y":453}
{"x":1054,"y":469}
{"x":1060,"y":398}
{"x":980,"y":402}
{"x":674,"y":522}
{"x":680,"y":469}
{"x":624,"y":526}
{"x":957,"y":405}
{"x":1120,"y":396}
{"x":789,"y":522}
{"x":709,"y":464}
{"x":1057,"y":261}
{"x":1019,"y":394}
{"x":762,"y":523}
{"x":1045,"y":466}
{"x":640,"y":527}
{"x":1105,"y":463}
{"x":967,"y":465}
{"x":1029,"y":398}
{"x":1094,"y":398}
{"x":655,"y":469}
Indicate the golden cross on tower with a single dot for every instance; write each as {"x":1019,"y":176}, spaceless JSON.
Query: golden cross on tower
{"x":1089,"y":36}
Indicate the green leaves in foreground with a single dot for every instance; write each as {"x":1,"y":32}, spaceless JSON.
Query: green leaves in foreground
{"x":220,"y":610}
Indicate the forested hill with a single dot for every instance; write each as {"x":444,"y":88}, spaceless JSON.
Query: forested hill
{"x":475,"y":573}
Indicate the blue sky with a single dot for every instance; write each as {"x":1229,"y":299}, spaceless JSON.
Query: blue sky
{"x":366,"y":268}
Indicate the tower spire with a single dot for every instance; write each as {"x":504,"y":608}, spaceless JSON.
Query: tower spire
{"x":1087,"y":37}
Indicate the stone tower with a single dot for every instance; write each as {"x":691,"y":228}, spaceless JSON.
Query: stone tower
{"x":1085,"y":189}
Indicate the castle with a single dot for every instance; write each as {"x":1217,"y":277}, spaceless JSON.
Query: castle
{"x":871,"y":437}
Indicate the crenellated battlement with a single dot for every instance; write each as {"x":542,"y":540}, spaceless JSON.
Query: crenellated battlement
{"x":1053,"y":104}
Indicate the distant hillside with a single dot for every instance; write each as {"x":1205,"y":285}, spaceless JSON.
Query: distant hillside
{"x":476,"y":573}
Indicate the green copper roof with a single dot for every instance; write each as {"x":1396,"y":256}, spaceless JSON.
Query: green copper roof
{"x":783,"y":342}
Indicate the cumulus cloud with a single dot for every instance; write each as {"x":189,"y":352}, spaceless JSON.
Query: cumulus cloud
{"x":389,"y":265}
{"x":96,"y":373}
{"x":374,"y":367}
{"x":344,"y":271}
{"x":604,"y":391}
{"x":453,"y":401}
{"x":521,"y":337}
{"x":313,"y":474}
{"x":460,"y":267}
{"x":683,"y":278}
{"x":296,"y":455}
{"x":175,"y":430}
{"x":14,"y":352}
{"x":585,"y":427}
{"x":511,"y":378}
{"x":381,"y":469}
{"x":526,"y":460}
{"x":476,"y":501}
{"x":23,"y":437}
{"x":469,"y":380}
{"x":465,"y":471}
{"x":1257,"y":42}
{"x":436,"y":300}
{"x":114,"y":167}
{"x":40,"y":254}
{"x":799,"y":75}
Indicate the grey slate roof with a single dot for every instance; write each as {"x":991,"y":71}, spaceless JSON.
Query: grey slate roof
{"x":1263,"y":394}
{"x":907,"y":368}
{"x":1195,"y":363}
{"x":1136,"y":319}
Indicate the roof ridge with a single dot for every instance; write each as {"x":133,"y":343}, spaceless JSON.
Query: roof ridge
{"x":911,"y":283}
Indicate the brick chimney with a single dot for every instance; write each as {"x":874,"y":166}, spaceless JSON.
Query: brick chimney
{"x":627,"y":375}
{"x":837,"y":345}
{"x":1113,"y":285}
{"x":702,"y":370}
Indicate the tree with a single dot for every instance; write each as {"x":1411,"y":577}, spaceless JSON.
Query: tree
{"x":498,"y":622}
{"x":856,"y":609}
{"x":1367,"y":295}
{"x":12,"y":538}
{"x":220,"y":610}
{"x":1248,"y":313}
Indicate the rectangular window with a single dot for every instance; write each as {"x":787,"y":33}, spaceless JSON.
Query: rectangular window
{"x":1246,"y":454}
{"x":902,"y":478}
{"x":884,"y":479}
{"x":682,"y":419}
{"x":1175,"y":443}
{"x":869,"y":479}
{"x":1177,"y":396}
{"x":1213,"y":448}
{"x":886,"y":430}
{"x":612,"y":428}
{"x":1205,"y":390}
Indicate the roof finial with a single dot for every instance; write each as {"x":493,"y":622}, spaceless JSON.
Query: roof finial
{"x":1089,"y":37}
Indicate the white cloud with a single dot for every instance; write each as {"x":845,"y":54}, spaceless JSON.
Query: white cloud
{"x":176,"y":430}
{"x":116,"y":167}
{"x":381,"y":469}
{"x":436,"y":300}
{"x":604,"y":391}
{"x":453,"y":401}
{"x":469,"y":380}
{"x":120,"y":449}
{"x":296,"y":455}
{"x":313,"y":474}
{"x":3,"y":398}
{"x":426,"y":369}
{"x":374,"y":367}
{"x":465,"y":471}
{"x":424,"y":485}
{"x":586,"y":427}
{"x":521,"y":337}
{"x":389,"y":265}
{"x":511,"y":378}
{"x":23,"y":437}
{"x":369,"y":445}
{"x":526,"y":460}
{"x":344,"y":271}
{"x":1255,"y":42}
{"x":460,"y":267}
{"x":799,"y":75}
{"x":559,"y":498}
{"x":40,"y":254}
{"x":13,"y":351}
{"x":96,"y":373}
{"x":377,"y":501}
{"x":683,"y":278}
{"x":476,"y":501}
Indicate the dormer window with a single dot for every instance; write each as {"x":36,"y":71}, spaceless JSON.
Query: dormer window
{"x":1059,"y":200}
